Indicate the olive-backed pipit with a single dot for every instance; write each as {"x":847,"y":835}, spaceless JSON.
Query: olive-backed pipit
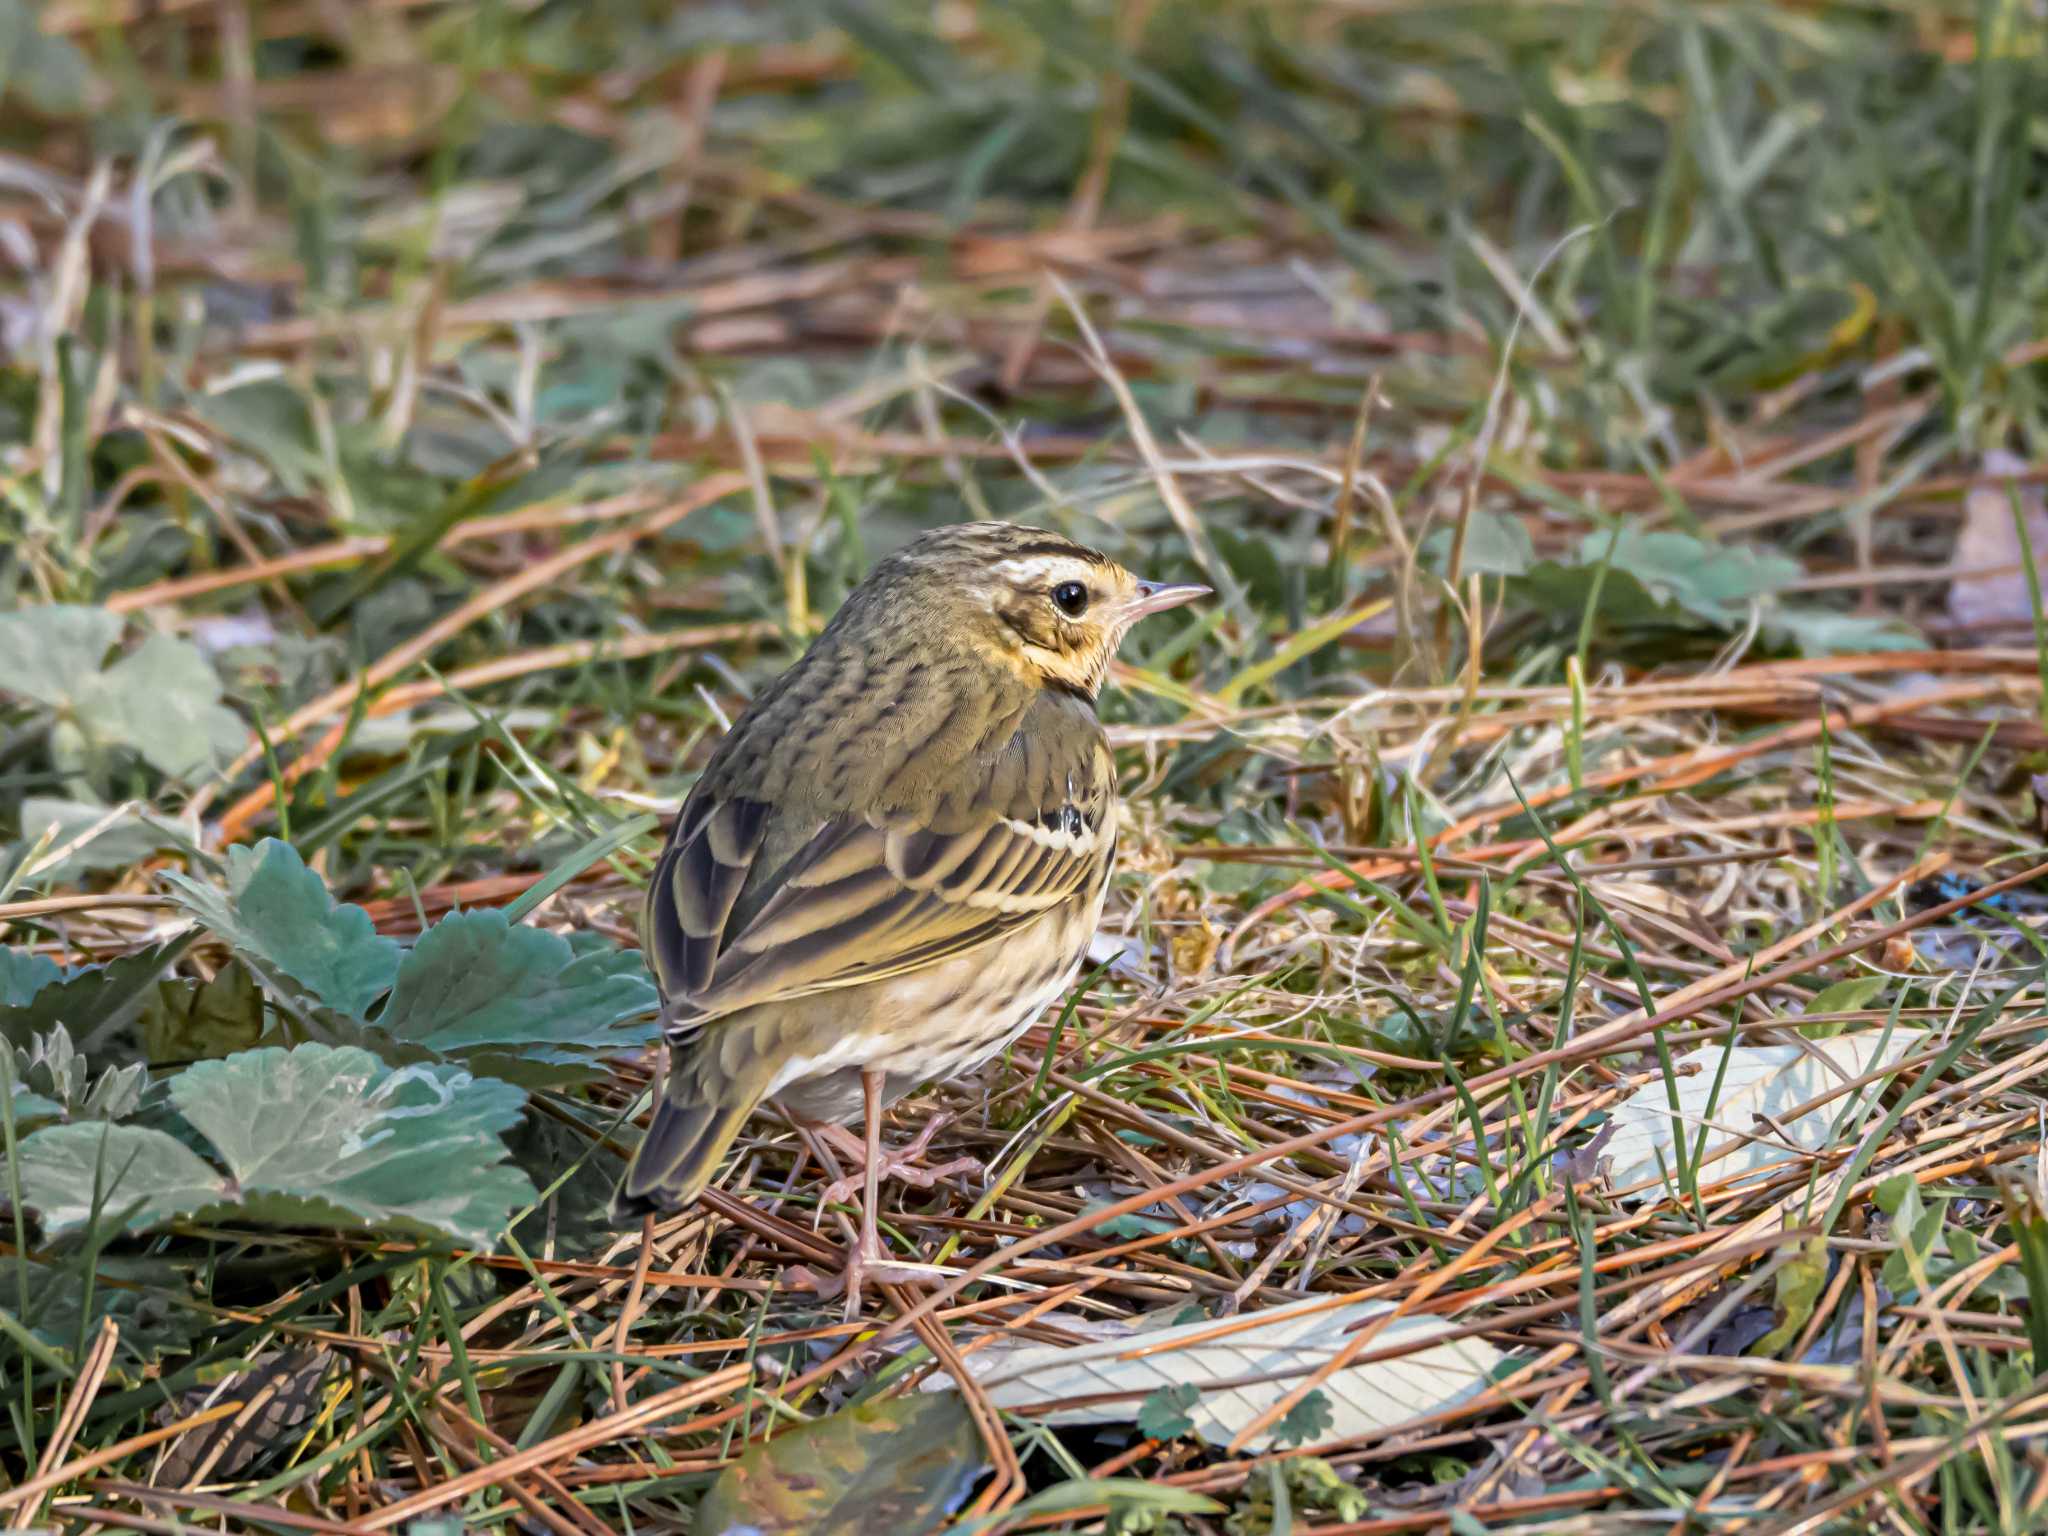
{"x":898,"y":855}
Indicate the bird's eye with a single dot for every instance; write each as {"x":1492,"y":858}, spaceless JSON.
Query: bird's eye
{"x":1071,"y":598}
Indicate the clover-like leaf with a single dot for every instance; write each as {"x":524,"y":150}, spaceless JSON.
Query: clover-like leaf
{"x":280,"y":917}
{"x":477,"y":987}
{"x":1164,"y":1414}
{"x":316,"y":1135}
{"x":1307,"y":1422}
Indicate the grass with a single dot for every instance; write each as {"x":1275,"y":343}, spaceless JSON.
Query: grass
{"x":1576,"y":408}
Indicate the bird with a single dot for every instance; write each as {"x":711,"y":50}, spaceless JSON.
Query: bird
{"x":892,"y":862}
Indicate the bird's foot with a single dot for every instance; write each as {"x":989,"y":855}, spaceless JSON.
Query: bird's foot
{"x":860,"y":1269}
{"x":906,"y":1164}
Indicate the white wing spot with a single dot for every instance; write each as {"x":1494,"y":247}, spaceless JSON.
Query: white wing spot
{"x":1072,"y":835}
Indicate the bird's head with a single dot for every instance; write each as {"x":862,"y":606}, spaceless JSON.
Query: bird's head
{"x":1025,"y":599}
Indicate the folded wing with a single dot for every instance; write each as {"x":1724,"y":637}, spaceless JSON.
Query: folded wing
{"x":861,"y":899}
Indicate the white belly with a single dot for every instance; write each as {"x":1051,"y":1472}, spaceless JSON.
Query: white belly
{"x":938,"y":1022}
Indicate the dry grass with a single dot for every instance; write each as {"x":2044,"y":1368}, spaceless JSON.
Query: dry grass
{"x":499,"y":392}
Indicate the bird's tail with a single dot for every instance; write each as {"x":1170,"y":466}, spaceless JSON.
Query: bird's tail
{"x":695,"y":1120}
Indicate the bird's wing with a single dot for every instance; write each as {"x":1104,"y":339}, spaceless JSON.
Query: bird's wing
{"x":865,"y":898}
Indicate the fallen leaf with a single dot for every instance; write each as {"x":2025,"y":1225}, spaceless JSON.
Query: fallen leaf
{"x":1283,"y":1343}
{"x":1990,"y":538}
{"x":1194,"y":946}
{"x":1772,"y":1080}
{"x":287,"y":1382}
{"x":899,"y":1464}
{"x":1799,"y":1283}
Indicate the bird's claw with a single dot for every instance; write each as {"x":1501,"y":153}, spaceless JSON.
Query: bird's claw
{"x":905,"y":1164}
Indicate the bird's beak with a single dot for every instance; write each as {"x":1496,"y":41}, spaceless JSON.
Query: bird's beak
{"x":1158,"y":596}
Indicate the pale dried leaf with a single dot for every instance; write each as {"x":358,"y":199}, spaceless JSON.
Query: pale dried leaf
{"x":1280,"y":1343}
{"x":1773,"y":1080}
{"x":1990,"y":538}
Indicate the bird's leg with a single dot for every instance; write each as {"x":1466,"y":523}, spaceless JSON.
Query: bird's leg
{"x":906,"y":1164}
{"x":869,"y":1258}
{"x":868,"y":1251}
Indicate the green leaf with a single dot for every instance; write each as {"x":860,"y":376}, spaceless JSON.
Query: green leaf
{"x":1658,"y":577}
{"x":48,"y":70}
{"x":1714,"y":582}
{"x":1164,"y":1414}
{"x":314,"y":1136}
{"x":23,"y":974}
{"x":1916,"y":1234}
{"x":53,"y":1067}
{"x":899,"y":1464}
{"x":1799,"y":1283}
{"x":93,"y":1002}
{"x":199,"y":1021}
{"x":123,"y":842}
{"x":30,"y":1108}
{"x":163,"y":701}
{"x":146,"y":1296}
{"x":1851,"y":996}
{"x":477,"y":988}
{"x":150,"y":1171}
{"x":1823,"y":632}
{"x":1495,"y":545}
{"x":323,"y":1132}
{"x":1306,"y":1422}
{"x":51,"y":653}
{"x":278,"y":914}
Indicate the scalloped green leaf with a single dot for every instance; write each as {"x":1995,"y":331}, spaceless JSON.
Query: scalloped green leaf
{"x":477,"y":987}
{"x":333,"y":1134}
{"x":50,"y":653}
{"x":278,"y":914}
{"x":144,"y":1176}
{"x":93,"y":1002}
{"x":163,"y":700}
{"x":312,"y":1136}
{"x":23,"y":974}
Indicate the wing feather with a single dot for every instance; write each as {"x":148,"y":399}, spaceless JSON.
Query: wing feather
{"x":863,"y":898}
